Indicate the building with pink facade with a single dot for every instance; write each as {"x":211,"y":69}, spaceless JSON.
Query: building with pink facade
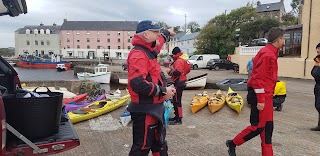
{"x":92,"y":39}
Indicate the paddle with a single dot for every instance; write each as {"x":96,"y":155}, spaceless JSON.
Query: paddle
{"x":193,"y":78}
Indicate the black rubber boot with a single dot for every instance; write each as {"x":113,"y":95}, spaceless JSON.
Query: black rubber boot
{"x":279,"y":108}
{"x":232,"y":148}
{"x":318,"y":127}
{"x":177,"y":121}
{"x":173,"y":119}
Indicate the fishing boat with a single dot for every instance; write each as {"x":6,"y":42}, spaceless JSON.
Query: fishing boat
{"x":234,"y":100}
{"x":100,"y":75}
{"x":216,"y":101}
{"x":199,"y":101}
{"x":31,"y":61}
{"x":236,"y":84}
{"x":97,"y":108}
{"x":197,"y":82}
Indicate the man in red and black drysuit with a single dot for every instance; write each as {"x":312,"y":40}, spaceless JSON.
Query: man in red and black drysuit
{"x":147,"y":88}
{"x":260,"y":91}
{"x":178,"y":72}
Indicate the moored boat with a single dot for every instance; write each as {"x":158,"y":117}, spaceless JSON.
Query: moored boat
{"x":199,"y":101}
{"x":216,"y":101}
{"x":31,"y":61}
{"x":236,"y":84}
{"x":100,"y":75}
{"x":197,"y":82}
{"x":234,"y":100}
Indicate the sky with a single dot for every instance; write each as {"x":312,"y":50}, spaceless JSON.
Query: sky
{"x":168,"y":11}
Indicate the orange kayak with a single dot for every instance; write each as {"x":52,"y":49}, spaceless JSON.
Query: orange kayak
{"x":77,"y":98}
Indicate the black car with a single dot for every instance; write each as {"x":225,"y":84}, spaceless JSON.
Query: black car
{"x":217,"y":64}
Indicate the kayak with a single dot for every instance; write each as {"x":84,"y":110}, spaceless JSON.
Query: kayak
{"x":234,"y":100}
{"x":199,"y":101}
{"x":77,"y":98}
{"x":76,"y":105}
{"x":97,"y":108}
{"x":216,"y":101}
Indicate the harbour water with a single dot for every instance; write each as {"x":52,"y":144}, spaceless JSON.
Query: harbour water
{"x":52,"y":74}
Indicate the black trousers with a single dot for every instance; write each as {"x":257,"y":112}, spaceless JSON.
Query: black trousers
{"x":177,"y":106}
{"x":317,"y":97}
{"x":146,"y":136}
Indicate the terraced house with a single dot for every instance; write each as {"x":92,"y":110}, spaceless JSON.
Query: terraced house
{"x":91,"y":39}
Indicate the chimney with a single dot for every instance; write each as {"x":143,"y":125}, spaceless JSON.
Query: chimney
{"x":64,"y":20}
{"x":282,"y":1}
{"x":258,"y":3}
{"x":54,"y":24}
{"x":41,"y":24}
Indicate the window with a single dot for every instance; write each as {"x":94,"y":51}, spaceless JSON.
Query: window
{"x":88,"y":39}
{"x":129,"y":33}
{"x":129,"y":47}
{"x":129,"y":40}
{"x":118,"y":40}
{"x":68,"y":33}
{"x":108,"y":33}
{"x":41,"y":31}
{"x":88,"y":33}
{"x":35,"y":31}
{"x":28,"y":42}
{"x":98,"y":39}
{"x":78,"y":33}
{"x":200,"y":58}
{"x":98,"y":47}
{"x":42,"y":43}
{"x":47,"y":31}
{"x":48,"y":43}
{"x":68,"y":40}
{"x":88,"y":47}
{"x":118,"y":33}
{"x":35,"y":42}
{"x":27,"y":31}
{"x":68,"y":47}
{"x":119,"y":47}
{"x":78,"y":40}
{"x":98,"y":33}
{"x":108,"y":47}
{"x":108,"y":40}
{"x":78,"y":46}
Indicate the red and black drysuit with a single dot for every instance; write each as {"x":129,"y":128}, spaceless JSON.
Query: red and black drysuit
{"x":178,"y":73}
{"x":147,"y":86}
{"x":260,"y":90}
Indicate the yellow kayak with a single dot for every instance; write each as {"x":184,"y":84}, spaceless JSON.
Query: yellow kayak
{"x":97,"y":108}
{"x":234,"y":100}
{"x":199,"y":101}
{"x":216,"y":101}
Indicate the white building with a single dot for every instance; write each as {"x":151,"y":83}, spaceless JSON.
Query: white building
{"x":38,"y":40}
{"x":186,"y":43}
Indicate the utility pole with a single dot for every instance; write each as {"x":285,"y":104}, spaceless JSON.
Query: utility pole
{"x":185,"y":22}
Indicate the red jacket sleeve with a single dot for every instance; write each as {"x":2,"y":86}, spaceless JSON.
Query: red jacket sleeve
{"x":178,"y":68}
{"x":137,"y":73}
{"x":261,"y":78}
{"x":160,"y":44}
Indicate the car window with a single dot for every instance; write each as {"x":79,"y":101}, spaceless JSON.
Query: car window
{"x":194,"y":57}
{"x":200,"y":58}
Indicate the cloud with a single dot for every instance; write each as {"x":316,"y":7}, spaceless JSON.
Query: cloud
{"x":171,"y":12}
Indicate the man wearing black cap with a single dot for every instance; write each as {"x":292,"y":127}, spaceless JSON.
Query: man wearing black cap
{"x":147,"y":88}
{"x":178,"y":72}
{"x":315,"y":72}
{"x":260,"y":91}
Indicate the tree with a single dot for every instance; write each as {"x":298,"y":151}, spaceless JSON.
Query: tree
{"x":163,"y":24}
{"x":289,"y":19}
{"x":176,"y":29}
{"x":295,"y":5}
{"x":193,"y":26}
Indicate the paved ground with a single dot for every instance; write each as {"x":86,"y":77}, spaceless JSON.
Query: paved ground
{"x":204,"y":133}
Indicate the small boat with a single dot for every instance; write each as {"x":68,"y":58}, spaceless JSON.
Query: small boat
{"x":236,"y":84}
{"x":77,"y":98}
{"x":97,"y":108}
{"x":168,"y":108}
{"x":12,"y":63}
{"x":234,"y":100}
{"x":61,"y":67}
{"x":125,"y":117}
{"x":197,"y":82}
{"x":31,"y":61}
{"x":199,"y":101}
{"x":100,"y":75}
{"x":76,"y":105}
{"x":216,"y":101}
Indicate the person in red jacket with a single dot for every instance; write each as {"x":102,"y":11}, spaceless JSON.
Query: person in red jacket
{"x":260,"y":91}
{"x":147,"y":88}
{"x":178,"y":72}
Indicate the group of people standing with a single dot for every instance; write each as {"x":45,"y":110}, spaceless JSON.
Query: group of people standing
{"x":148,"y":90}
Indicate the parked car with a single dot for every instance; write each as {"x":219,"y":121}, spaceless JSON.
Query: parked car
{"x":217,"y":64}
{"x":66,"y":137}
{"x":259,"y":42}
{"x":200,"y":61}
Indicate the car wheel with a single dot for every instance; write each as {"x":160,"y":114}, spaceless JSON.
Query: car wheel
{"x":216,"y":68}
{"x":228,"y":68}
{"x":210,"y":68}
{"x":195,"y":66}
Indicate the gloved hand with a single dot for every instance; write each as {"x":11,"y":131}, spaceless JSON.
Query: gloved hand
{"x":317,"y":58}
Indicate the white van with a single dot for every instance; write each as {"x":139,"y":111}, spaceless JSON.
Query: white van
{"x":200,"y":61}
